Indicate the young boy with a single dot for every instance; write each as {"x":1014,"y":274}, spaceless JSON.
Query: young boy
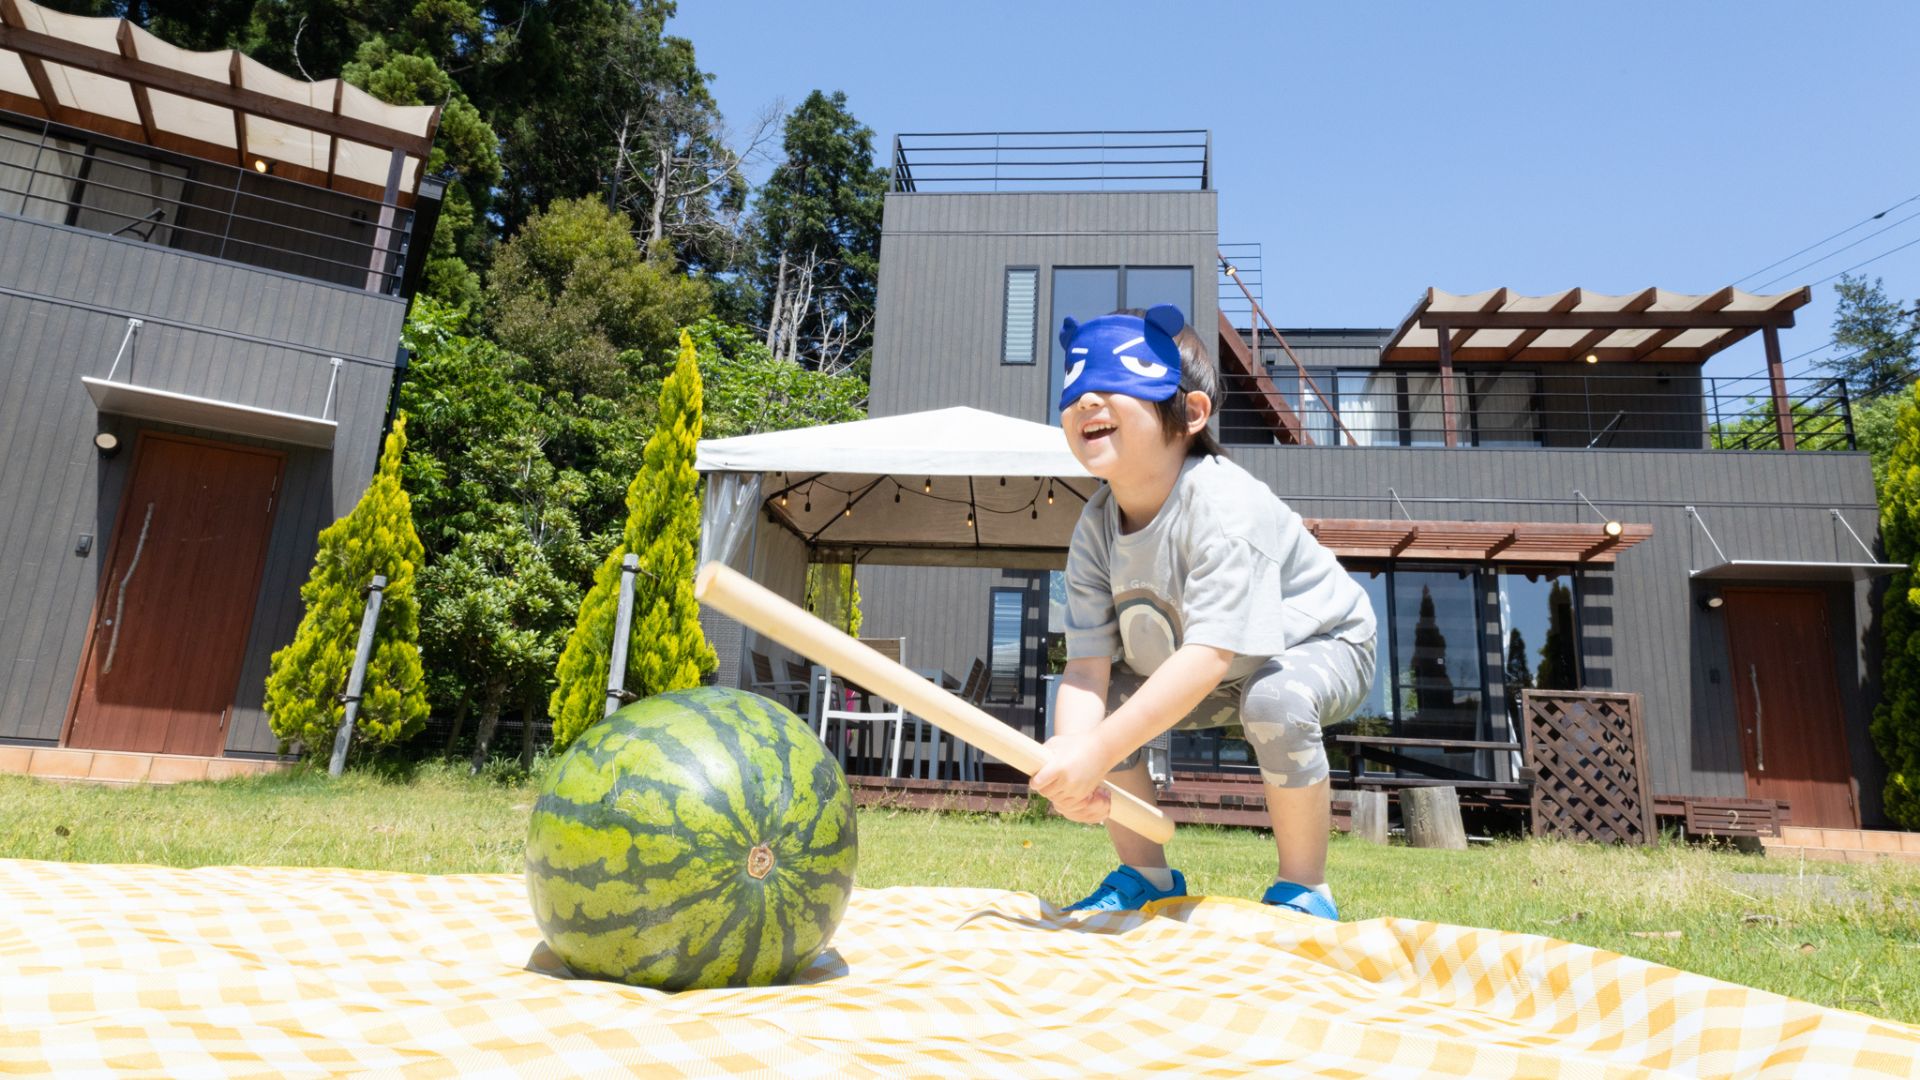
{"x":1214,"y":599}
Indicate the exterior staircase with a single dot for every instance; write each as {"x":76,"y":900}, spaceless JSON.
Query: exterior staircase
{"x":1843,"y":845}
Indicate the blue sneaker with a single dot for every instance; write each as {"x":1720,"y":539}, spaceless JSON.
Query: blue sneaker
{"x":1126,"y":890}
{"x":1301,"y":899}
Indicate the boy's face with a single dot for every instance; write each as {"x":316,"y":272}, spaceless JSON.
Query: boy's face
{"x":1114,"y":434}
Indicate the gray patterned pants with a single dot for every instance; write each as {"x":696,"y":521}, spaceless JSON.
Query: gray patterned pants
{"x":1281,"y":707}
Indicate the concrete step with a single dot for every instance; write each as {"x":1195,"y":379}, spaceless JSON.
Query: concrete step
{"x":1843,"y":845}
{"x":1875,"y":840}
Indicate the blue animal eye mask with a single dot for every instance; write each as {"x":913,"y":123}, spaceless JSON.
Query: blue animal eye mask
{"x":1123,"y":354}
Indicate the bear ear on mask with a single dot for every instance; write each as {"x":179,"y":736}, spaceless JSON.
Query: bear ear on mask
{"x":1068,"y":328}
{"x":1166,"y":318}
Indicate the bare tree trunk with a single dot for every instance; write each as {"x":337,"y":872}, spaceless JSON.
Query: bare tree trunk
{"x":459,"y":721}
{"x":657,"y":226}
{"x":778,"y":309}
{"x":619,"y":163}
{"x":489,"y":721}
{"x":526,"y":733}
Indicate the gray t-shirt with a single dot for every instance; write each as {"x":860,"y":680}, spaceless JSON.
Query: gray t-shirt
{"x":1224,"y":563}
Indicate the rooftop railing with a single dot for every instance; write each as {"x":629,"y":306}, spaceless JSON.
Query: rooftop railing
{"x":1549,"y":410}
{"x":1053,"y":161}
{"x":89,"y":181}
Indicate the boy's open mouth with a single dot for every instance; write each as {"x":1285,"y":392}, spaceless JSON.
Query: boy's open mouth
{"x":1099,"y":429}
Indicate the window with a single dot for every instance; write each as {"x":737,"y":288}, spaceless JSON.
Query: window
{"x":37,"y":176}
{"x":1090,"y":292}
{"x":1022,"y":309}
{"x":1006,"y":651}
{"x":1539,"y":639}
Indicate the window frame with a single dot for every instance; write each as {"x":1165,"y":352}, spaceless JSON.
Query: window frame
{"x":1020,"y":645}
{"x":1006,"y":317}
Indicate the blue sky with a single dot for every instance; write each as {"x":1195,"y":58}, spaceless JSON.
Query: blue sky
{"x":1374,"y":149}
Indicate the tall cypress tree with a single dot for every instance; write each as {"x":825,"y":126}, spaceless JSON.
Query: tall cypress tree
{"x":666,"y":650}
{"x":308,"y":676}
{"x":1896,"y":721}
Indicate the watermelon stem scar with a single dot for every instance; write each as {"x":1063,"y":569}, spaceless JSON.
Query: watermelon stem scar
{"x":760,"y":862}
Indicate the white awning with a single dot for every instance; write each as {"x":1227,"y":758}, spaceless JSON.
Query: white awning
{"x":1774,"y":570}
{"x":189,"y":410}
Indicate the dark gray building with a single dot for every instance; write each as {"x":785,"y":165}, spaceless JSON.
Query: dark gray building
{"x":1537,"y":491}
{"x":202,"y":286}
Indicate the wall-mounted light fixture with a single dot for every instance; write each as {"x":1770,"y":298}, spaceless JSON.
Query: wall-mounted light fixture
{"x":1711,"y":601}
{"x":1611,"y":527}
{"x":262,"y":166}
{"x":1593,"y":358}
{"x":107,"y":443}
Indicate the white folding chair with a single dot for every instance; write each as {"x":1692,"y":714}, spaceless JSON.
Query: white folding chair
{"x":876,"y":712}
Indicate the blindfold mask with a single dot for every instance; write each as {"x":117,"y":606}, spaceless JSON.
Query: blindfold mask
{"x":1123,"y":354}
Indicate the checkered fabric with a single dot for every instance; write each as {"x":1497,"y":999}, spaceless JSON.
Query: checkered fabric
{"x":246,"y":971}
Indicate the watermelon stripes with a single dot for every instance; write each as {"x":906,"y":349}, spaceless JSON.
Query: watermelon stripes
{"x":694,"y":839}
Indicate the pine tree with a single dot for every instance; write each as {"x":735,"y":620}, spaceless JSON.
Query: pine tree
{"x":308,"y":676}
{"x":1896,"y":721}
{"x":667,"y":650}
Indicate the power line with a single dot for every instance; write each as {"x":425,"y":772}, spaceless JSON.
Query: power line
{"x":1864,"y":262}
{"x":1834,"y":252}
{"x":1830,"y":239}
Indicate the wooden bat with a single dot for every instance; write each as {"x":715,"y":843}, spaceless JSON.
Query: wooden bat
{"x":731,"y":593}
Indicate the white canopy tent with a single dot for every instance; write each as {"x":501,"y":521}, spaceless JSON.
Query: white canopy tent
{"x":949,"y":487}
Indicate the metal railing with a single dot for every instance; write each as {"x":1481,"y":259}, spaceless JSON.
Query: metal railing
{"x":1541,"y":408}
{"x":68,"y":176}
{"x":1053,"y":161}
{"x":1237,"y":302}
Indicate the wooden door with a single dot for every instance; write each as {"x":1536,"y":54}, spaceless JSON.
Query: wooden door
{"x":1788,"y":701}
{"x":172,"y":611}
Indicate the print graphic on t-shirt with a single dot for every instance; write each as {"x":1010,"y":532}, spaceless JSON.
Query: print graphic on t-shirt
{"x":1149,"y":629}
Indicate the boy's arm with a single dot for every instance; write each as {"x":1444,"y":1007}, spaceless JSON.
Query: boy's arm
{"x":1174,"y":689}
{"x":1081,"y":754}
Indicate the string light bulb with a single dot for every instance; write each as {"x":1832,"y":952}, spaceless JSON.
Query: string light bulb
{"x":1049,"y":494}
{"x":896,"y":493}
{"x":1036,"y":513}
{"x":927,"y":488}
{"x":848,"y":512}
{"x":809,"y":506}
{"x":783,"y":500}
{"x":1003,"y":481}
{"x":969,"y":519}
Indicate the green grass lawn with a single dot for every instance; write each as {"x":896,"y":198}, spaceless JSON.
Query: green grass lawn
{"x":1846,"y":936}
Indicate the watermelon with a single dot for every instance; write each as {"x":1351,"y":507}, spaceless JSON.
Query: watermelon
{"x":693,"y":839}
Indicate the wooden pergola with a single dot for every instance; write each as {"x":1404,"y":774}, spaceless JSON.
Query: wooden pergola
{"x":1499,"y":326}
{"x":109,"y":76}
{"x":1477,"y":541}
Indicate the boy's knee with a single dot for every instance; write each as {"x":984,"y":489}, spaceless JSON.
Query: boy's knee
{"x":1283,"y":724}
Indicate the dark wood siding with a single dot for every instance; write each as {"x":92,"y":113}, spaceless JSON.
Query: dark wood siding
{"x":943,"y":268}
{"x":62,"y":295}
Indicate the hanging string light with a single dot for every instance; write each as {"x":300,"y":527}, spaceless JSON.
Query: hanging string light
{"x":896,"y":491}
{"x":927,"y":488}
{"x":1003,"y":481}
{"x":1049,"y":493}
{"x":848,"y":512}
{"x":783,"y":499}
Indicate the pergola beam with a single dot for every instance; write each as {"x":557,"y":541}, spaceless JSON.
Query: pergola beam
{"x":1586,"y":320}
{"x":35,"y":47}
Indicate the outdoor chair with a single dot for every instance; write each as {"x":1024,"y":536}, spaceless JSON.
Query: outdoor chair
{"x":851,"y":704}
{"x":789,"y":692}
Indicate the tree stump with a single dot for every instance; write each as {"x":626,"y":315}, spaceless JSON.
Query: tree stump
{"x":1370,"y":816}
{"x":1432,"y":817}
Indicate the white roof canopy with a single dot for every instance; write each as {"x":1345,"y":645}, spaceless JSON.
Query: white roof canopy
{"x":912,"y":483}
{"x":108,"y":75}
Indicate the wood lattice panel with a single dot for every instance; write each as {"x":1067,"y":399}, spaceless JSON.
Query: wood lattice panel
{"x":1589,"y":762}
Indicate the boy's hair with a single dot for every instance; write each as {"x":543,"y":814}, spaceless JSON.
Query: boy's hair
{"x":1196,"y":373}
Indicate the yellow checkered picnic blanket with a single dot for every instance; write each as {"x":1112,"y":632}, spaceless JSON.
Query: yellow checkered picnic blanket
{"x":282,"y":972}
